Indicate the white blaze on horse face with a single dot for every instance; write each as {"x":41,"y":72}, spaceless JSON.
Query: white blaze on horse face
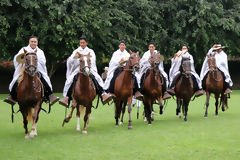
{"x":86,"y":67}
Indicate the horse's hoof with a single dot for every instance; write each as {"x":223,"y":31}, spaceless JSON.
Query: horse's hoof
{"x":185,"y":120}
{"x":145,"y":119}
{"x":149,"y":124}
{"x":161,"y":112}
{"x":27,"y":136}
{"x":121,"y":123}
{"x":116,"y":125}
{"x":129,"y":127}
{"x":84,"y":132}
{"x":216,"y":115}
{"x":205,"y":116}
{"x":78,"y":129}
{"x":179,"y":116}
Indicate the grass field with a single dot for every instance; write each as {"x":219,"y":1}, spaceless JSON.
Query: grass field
{"x":213,"y":138}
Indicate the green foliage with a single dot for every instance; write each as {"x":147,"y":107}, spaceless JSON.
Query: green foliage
{"x":59,"y":24}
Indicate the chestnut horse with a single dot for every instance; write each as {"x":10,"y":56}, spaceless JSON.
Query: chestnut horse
{"x":215,"y":85}
{"x":30,"y":93}
{"x":123,"y":88}
{"x":184,"y":88}
{"x":152,"y":89}
{"x":83,"y":91}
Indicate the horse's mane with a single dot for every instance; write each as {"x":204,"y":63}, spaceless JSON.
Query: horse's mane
{"x":21,"y":75}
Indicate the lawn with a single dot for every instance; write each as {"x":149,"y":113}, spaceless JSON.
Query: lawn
{"x":167,"y":138}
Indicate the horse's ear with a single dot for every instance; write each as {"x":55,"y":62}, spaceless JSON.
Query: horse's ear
{"x":131,"y":52}
{"x":137,"y":53}
{"x":89,"y":54}
{"x":76,"y":56}
{"x":24,"y":50}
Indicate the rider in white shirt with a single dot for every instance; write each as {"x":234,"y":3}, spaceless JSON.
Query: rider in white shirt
{"x":42,"y":71}
{"x":175,"y":72}
{"x":73,"y":69}
{"x":221,"y":63}
{"x":144,"y":65}
{"x":117,"y":58}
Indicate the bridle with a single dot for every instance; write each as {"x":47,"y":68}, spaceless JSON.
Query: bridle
{"x":31,"y":63}
{"x":133,"y":64}
{"x":212,"y":67}
{"x":86,"y":66}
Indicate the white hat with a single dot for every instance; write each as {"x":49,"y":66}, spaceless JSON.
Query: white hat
{"x":218,"y":46}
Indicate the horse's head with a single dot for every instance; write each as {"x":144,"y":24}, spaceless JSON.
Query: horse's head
{"x":85,"y":63}
{"x":186,"y":66}
{"x":31,"y":62}
{"x":134,"y":60}
{"x":155,"y":60}
{"x":212,"y":62}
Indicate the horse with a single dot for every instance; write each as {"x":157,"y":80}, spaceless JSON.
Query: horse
{"x":215,"y":85}
{"x":123,"y":88}
{"x":184,"y":87}
{"x":83,"y":91}
{"x":30,"y":93}
{"x":152,"y":88}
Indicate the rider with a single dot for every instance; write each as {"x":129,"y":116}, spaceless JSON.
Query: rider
{"x":42,"y":72}
{"x":221,"y":63}
{"x":73,"y":70}
{"x":118,"y":57}
{"x":174,"y":71}
{"x":144,"y":65}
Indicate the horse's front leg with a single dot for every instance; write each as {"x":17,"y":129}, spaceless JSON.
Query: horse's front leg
{"x":160,"y":105}
{"x":178,"y":110}
{"x":67,"y":119}
{"x":129,"y":112}
{"x":185,"y":104}
{"x":216,"y":104}
{"x":35,"y":118}
{"x":117,"y":111}
{"x":123,"y":112}
{"x":207,"y":103}
{"x":78,"y":117}
{"x":86,"y":117}
{"x":147,"y":109}
{"x":25,"y":122}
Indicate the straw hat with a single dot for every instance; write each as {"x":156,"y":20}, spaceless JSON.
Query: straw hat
{"x":21,"y":58}
{"x":218,"y":46}
{"x":105,"y":68}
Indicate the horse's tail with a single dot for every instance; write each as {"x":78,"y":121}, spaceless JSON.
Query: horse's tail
{"x":29,"y":116}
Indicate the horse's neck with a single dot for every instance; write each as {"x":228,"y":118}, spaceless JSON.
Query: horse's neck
{"x":28,"y":79}
{"x":186,"y":80}
{"x":84,"y":80}
{"x":127,"y":72}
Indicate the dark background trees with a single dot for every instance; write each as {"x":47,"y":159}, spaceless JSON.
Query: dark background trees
{"x":60,"y":23}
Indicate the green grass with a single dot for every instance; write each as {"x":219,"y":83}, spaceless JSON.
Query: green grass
{"x":167,"y":138}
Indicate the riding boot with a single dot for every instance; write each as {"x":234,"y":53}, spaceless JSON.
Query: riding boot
{"x":10,"y":100}
{"x":199,"y":92}
{"x":228,"y":90}
{"x":13,"y":95}
{"x":166,"y":95}
{"x":106,"y":97}
{"x":138,"y":96}
{"x":64,"y":101}
{"x":53,"y":99}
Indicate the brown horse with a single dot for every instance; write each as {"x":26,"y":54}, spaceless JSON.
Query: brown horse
{"x":83,"y":91}
{"x":123,"y":88}
{"x":30,"y":93}
{"x":152,"y":89}
{"x":184,"y":88}
{"x":215,"y":85}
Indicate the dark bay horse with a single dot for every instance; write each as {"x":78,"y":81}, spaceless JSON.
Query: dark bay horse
{"x":215,"y":85}
{"x":123,"y":88}
{"x":83,"y":91}
{"x":152,"y":89}
{"x":30,"y":93}
{"x":184,"y":88}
